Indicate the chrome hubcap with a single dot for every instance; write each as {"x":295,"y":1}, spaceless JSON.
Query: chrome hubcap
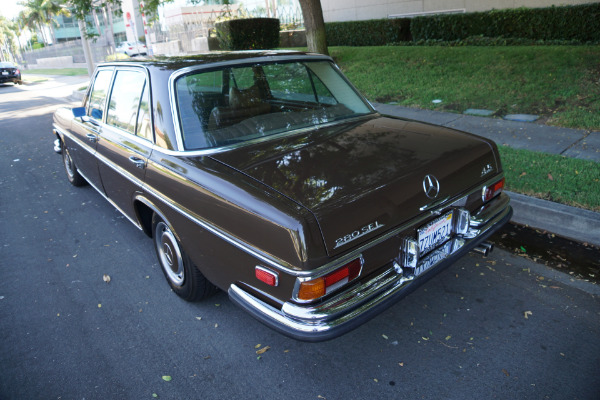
{"x":169,"y":254}
{"x":68,"y":163}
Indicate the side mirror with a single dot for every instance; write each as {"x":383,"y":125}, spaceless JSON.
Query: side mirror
{"x":78,"y":112}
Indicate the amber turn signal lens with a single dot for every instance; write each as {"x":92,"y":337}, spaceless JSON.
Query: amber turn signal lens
{"x":315,"y":288}
{"x":311,"y":290}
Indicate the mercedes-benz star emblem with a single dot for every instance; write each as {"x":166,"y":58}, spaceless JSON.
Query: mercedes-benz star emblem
{"x":431,"y":186}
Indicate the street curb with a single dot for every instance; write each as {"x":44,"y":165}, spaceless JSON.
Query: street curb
{"x":566,"y":221}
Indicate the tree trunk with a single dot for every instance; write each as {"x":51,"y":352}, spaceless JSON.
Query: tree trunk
{"x":109,"y":28}
{"x":314,"y":25}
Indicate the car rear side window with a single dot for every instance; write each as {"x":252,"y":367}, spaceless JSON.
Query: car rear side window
{"x":99,"y":92}
{"x":125,"y":100}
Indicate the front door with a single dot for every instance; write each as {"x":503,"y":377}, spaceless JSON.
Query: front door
{"x":126,"y":140}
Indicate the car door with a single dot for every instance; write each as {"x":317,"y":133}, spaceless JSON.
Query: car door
{"x":127,"y":138}
{"x":86,"y":130}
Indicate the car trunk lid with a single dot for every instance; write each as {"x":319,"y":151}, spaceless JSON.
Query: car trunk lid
{"x":360,"y":179}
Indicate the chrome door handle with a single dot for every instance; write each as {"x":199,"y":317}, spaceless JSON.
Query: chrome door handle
{"x":91,"y":137}
{"x":138,"y":162}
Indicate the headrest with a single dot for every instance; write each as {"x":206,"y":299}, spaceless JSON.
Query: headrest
{"x":244,"y":98}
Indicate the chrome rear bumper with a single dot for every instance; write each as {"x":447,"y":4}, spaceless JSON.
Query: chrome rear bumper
{"x":363,"y":301}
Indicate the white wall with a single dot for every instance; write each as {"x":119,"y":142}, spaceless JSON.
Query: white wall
{"x":356,"y":10}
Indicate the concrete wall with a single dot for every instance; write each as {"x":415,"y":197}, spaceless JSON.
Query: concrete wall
{"x":356,"y":10}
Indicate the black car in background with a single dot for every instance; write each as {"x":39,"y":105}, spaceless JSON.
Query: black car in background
{"x":10,"y":73}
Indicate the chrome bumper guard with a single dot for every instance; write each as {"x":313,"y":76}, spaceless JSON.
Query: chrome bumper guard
{"x":359,"y":303}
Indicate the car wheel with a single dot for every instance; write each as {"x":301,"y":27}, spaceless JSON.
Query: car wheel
{"x":182,"y":275}
{"x":72,"y":174}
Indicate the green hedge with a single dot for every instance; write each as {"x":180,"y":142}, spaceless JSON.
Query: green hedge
{"x":569,"y":23}
{"x":580,"y":22}
{"x":248,"y":34}
{"x":375,"y":32}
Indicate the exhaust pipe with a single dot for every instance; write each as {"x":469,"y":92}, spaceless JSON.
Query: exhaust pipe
{"x":484,"y":248}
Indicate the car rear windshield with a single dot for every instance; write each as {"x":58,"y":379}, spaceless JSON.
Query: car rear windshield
{"x":232,"y":105}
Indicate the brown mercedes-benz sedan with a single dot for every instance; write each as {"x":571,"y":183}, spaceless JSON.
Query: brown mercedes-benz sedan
{"x":267,"y":175}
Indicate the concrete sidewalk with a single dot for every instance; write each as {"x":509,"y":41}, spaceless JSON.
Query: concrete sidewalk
{"x":574,"y":143}
{"x":570,"y":222}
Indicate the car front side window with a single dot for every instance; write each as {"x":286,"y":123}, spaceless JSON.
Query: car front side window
{"x":125,"y":100}
{"x":98,"y":95}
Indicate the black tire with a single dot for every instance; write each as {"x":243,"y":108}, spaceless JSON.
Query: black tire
{"x":182,"y":275}
{"x":71,"y":169}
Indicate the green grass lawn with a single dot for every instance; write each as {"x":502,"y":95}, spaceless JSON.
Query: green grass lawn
{"x":552,"y":177}
{"x":55,"y":71}
{"x":559,"y":83}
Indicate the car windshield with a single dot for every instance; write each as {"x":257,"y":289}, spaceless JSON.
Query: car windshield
{"x":6,"y":65}
{"x":237,"y":104}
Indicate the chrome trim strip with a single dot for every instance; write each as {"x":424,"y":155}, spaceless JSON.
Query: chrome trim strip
{"x":136,"y":223}
{"x":247,"y":248}
{"x":349,"y":304}
{"x":126,"y":174}
{"x":74,"y":138}
{"x":489,"y":209}
{"x":273,"y":261}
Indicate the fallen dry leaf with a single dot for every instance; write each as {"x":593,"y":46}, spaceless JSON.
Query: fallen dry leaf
{"x":257,"y":346}
{"x":550,"y":177}
{"x":263,"y":350}
{"x":505,"y":372}
{"x":527,"y":314}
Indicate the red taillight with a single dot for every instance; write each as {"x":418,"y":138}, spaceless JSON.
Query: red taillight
{"x":318,"y":287}
{"x":267,"y":276}
{"x":489,"y":192}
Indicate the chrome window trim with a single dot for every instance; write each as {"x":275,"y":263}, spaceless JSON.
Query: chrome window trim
{"x":216,"y":150}
{"x":148,"y":85}
{"x":240,"y":63}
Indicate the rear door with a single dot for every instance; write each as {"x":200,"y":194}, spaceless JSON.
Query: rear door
{"x":127,"y":138}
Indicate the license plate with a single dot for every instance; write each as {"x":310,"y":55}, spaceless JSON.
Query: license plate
{"x":435,"y":233}
{"x":435,"y":257}
{"x":4,"y":73}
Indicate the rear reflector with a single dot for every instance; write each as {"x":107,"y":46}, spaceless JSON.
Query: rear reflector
{"x":489,"y":192}
{"x":315,"y":288}
{"x":266,"y":275}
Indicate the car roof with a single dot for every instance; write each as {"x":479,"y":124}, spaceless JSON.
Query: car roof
{"x":216,"y":57}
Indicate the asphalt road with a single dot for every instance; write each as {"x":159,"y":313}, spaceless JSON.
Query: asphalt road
{"x":501,"y":327}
